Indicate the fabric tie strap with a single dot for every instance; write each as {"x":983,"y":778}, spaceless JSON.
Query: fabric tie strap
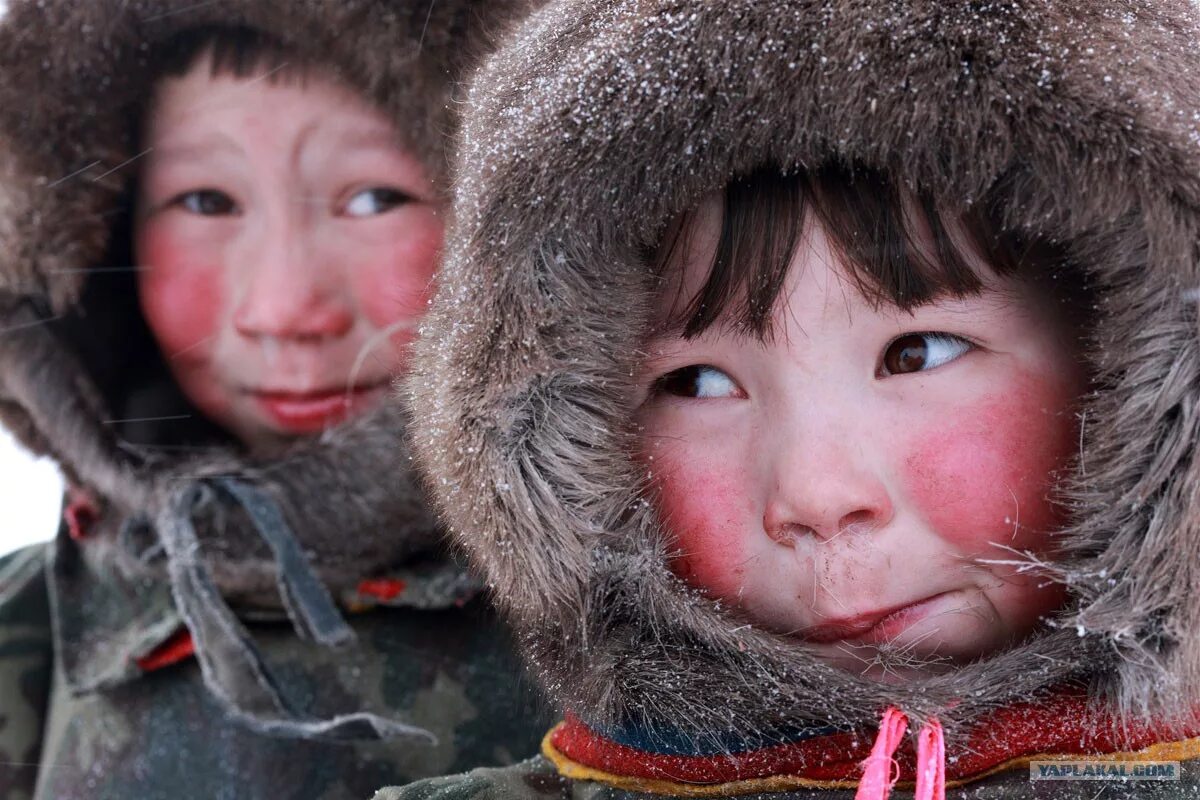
{"x":880,"y":771}
{"x":232,"y":666}
{"x":931,"y":762}
{"x":305,"y":598}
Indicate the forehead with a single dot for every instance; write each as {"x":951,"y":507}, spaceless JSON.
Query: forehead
{"x":199,"y":102}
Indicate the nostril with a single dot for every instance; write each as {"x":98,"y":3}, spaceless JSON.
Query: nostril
{"x":857,"y":521}
{"x":296,"y":323}
{"x":787,"y":533}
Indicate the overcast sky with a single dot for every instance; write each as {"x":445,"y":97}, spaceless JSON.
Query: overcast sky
{"x":30,"y":494}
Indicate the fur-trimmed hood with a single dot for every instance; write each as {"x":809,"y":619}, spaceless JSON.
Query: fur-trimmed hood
{"x":73,"y":75}
{"x":80,"y":377}
{"x":601,"y":120}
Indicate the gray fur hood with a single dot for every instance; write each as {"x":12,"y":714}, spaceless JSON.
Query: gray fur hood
{"x":80,"y":377}
{"x":73,"y":75}
{"x":602,"y":119}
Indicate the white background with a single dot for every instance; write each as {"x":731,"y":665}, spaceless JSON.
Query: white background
{"x":30,"y":493}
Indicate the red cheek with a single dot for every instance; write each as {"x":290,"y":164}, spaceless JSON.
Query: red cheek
{"x":182,"y":293}
{"x":986,"y":478}
{"x":704,"y":512}
{"x":395,"y":282}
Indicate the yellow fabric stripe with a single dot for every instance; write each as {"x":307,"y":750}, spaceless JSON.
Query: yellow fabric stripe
{"x":1183,"y":750}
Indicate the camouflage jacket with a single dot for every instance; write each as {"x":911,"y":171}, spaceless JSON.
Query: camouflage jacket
{"x":100,"y":696}
{"x":538,"y":779}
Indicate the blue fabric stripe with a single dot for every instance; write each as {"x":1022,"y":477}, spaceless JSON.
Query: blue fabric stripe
{"x":670,"y":742}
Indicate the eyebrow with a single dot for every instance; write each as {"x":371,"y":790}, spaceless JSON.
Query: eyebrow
{"x":674,"y":327}
{"x":218,"y":144}
{"x":371,"y":137}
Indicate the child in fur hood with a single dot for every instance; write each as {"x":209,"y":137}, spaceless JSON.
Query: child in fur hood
{"x":824,"y":418}
{"x":220,"y":225}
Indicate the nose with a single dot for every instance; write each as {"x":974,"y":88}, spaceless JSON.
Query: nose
{"x":823,"y":484}
{"x":285,"y":291}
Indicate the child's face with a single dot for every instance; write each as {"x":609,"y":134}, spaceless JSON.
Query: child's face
{"x":843,"y":481}
{"x":287,"y":245}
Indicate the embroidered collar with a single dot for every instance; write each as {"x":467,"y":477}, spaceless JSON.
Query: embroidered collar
{"x":1060,"y":726}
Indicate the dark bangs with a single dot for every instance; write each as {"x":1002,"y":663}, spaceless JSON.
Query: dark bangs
{"x":235,"y":51}
{"x":897,"y":245}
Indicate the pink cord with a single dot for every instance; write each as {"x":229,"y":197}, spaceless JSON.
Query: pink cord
{"x":931,"y":762}
{"x":880,"y":771}
{"x":878,"y":776}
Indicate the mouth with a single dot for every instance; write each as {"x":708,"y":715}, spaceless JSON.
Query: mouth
{"x":311,"y":412}
{"x":873,"y":627}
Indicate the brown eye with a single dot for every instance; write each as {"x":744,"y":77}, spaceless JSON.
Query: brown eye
{"x":697,"y":380}
{"x":917,"y":352}
{"x":207,"y":203}
{"x":376,"y":200}
{"x":906,"y":354}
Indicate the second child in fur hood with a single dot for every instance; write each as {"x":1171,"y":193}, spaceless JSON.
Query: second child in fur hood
{"x":220,"y":226}
{"x":826,"y":416}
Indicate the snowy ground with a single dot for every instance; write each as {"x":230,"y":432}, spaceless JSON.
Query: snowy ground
{"x":30,"y":495}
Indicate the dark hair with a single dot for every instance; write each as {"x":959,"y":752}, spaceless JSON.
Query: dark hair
{"x":897,"y":244}
{"x":234,"y":50}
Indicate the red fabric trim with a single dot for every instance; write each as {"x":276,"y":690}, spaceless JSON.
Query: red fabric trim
{"x":1058,"y":725}
{"x":81,"y":514}
{"x":172,"y":651}
{"x":382,"y":588}
{"x":832,"y":757}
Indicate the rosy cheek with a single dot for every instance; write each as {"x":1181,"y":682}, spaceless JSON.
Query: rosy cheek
{"x":706,"y":511}
{"x":986,"y":478}
{"x":395,"y":282}
{"x":182,"y":292}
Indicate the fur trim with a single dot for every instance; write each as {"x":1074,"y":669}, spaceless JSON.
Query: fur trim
{"x":602,"y":119}
{"x":74,"y":73}
{"x":73,"y":347}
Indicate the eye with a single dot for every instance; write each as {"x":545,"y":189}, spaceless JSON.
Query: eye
{"x":699,"y":381}
{"x":376,"y":200}
{"x":916,"y":352}
{"x":206,"y":203}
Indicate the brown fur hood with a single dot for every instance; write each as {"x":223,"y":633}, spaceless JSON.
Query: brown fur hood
{"x":602,"y":119}
{"x":72,"y":78}
{"x":82,"y":380}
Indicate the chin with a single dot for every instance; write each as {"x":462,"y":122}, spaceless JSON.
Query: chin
{"x":256,"y":434}
{"x":257,"y":438}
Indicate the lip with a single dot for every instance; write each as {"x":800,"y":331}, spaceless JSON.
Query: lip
{"x":311,"y":412}
{"x":873,"y":627}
